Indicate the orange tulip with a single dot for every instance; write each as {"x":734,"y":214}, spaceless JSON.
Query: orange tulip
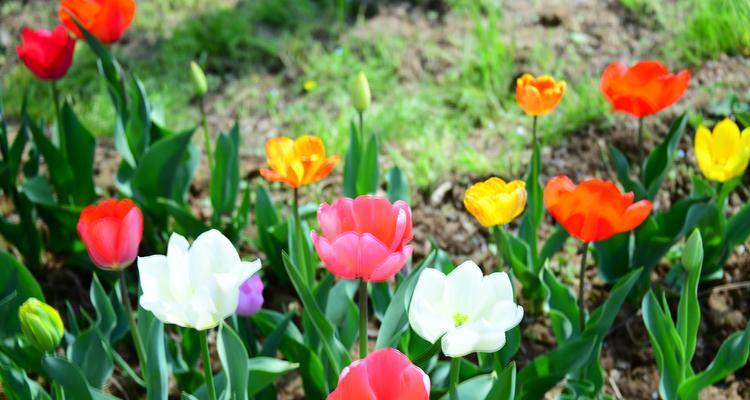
{"x":538,"y":96}
{"x":107,"y":20}
{"x":643,"y":89}
{"x":297,"y":162}
{"x":595,"y":210}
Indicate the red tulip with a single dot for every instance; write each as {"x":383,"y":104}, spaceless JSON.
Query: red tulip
{"x":107,"y":20}
{"x":595,"y":210}
{"x":111,"y":232}
{"x":48,"y":54}
{"x":643,"y":89}
{"x":384,"y":375}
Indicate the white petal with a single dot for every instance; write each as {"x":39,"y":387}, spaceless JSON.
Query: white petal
{"x":153,"y":274}
{"x":428,"y":315}
{"x":505,"y":314}
{"x":462,"y":288}
{"x":495,"y":287}
{"x":179,"y":283}
{"x":459,"y":342}
{"x":211,"y":253}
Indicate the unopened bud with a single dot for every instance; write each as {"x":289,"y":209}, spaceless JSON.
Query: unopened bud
{"x":692,"y":255}
{"x":200,"y":86}
{"x":41,"y":324}
{"x":361,"y":93}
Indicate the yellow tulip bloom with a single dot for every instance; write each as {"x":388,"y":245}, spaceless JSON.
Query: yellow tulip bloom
{"x":723,"y":154}
{"x":494,"y":202}
{"x":297,"y":162}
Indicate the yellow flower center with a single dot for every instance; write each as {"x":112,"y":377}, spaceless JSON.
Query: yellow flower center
{"x":460,"y":319}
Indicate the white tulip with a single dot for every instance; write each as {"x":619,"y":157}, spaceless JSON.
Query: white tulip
{"x":470,"y":311}
{"x":194,"y":286}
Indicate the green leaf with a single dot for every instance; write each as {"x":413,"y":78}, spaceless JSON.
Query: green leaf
{"x":620,"y":164}
{"x":732,"y":355}
{"x":546,"y":370}
{"x":262,"y":371}
{"x":398,"y":187}
{"x":166,"y":156}
{"x":504,"y":386}
{"x":106,"y":319}
{"x":535,"y":206}
{"x":138,"y":128}
{"x":88,"y":352}
{"x":563,"y":305}
{"x":188,"y":224}
{"x":666,"y":344}
{"x":351,"y":163}
{"x":68,"y":376}
{"x":337,"y":355}
{"x":266,"y":218}
{"x":689,"y":312}
{"x":38,"y":191}
{"x":657,"y":164}
{"x":554,"y":243}
{"x":225,"y":176}
{"x":738,"y":229}
{"x":396,"y":318}
{"x":80,"y":147}
{"x":19,"y":283}
{"x":368,"y":172}
{"x":234,"y":361}
{"x":475,"y":388}
{"x":157,"y":381}
{"x":61,"y":174}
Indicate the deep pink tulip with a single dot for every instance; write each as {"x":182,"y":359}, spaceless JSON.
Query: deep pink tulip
{"x":364,"y":237}
{"x":112,"y":232}
{"x":47,"y":54}
{"x":384,"y":375}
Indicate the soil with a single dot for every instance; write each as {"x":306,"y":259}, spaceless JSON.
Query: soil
{"x":609,"y":32}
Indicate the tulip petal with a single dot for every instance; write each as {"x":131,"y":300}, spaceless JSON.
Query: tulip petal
{"x":390,"y":267}
{"x":466,"y":278}
{"x":428,"y":312}
{"x":354,"y":383}
{"x":330,"y":256}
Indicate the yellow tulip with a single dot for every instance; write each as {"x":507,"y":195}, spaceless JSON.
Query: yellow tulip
{"x":297,"y":162}
{"x":494,"y":202}
{"x":723,"y":154}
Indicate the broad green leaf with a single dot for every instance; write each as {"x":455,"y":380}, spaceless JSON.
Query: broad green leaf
{"x":166,"y":156}
{"x":561,"y":301}
{"x":88,"y":352}
{"x":689,"y":313}
{"x":80,"y":148}
{"x":351,"y":163}
{"x":138,"y":127}
{"x":157,"y":381}
{"x":504,"y":386}
{"x":38,"y":191}
{"x":106,"y":319}
{"x":732,"y":355}
{"x":266,"y":217}
{"x":188,"y":224}
{"x":554,"y":243}
{"x":659,"y":162}
{"x":666,"y":344}
{"x":262,"y":371}
{"x":546,"y":370}
{"x":68,"y":376}
{"x":398,"y":187}
{"x":620,"y":164}
{"x":535,"y":206}
{"x":18,"y":284}
{"x":475,"y":388}
{"x":61,"y":174}
{"x":368,"y":169}
{"x":234,"y":361}
{"x":225,"y":176}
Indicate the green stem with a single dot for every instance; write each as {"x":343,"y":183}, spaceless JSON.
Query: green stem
{"x":57,"y":390}
{"x":455,"y":368}
{"x":361,"y":130}
{"x":640,"y":145}
{"x":301,"y":262}
{"x":207,"y":365}
{"x":497,"y":236}
{"x":533,"y":131}
{"x":58,"y":118}
{"x":206,"y":136}
{"x":362,"y":319}
{"x":137,"y":341}
{"x":581,"y":285}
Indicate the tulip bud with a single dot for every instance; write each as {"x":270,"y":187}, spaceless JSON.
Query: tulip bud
{"x":361,"y":93}
{"x":200,"y":86}
{"x":692,"y":255}
{"x":41,"y":324}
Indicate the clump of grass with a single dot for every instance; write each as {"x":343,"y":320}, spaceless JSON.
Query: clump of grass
{"x":712,"y":27}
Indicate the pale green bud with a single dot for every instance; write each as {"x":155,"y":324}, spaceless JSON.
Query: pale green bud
{"x":200,"y":86}
{"x":692,"y":255}
{"x":361,"y":93}
{"x":41,"y":324}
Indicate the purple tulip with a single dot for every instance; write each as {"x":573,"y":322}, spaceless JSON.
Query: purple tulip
{"x":251,"y":296}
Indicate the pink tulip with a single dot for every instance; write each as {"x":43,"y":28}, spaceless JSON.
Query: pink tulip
{"x":364,"y":237}
{"x":112,"y":232}
{"x":384,"y":375}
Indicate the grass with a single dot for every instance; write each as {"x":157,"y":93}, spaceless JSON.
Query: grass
{"x":441,"y":106}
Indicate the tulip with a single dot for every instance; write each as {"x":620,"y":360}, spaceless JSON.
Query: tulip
{"x":111,"y":231}
{"x":41,"y":325}
{"x":251,"y":296}
{"x":595,"y":210}
{"x":385,"y":374}
{"x":366,"y":237}
{"x":538,"y":96}
{"x":361,"y":97}
{"x":643,"y":89}
{"x":194,"y":286}
{"x":198,"y":78}
{"x":724,"y":154}
{"x":297,"y":162}
{"x":107,"y":20}
{"x":494,"y":202}
{"x":47,"y":54}
{"x":470,"y":311}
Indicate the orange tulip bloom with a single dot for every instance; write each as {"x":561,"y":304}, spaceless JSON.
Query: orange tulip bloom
{"x":538,"y":96}
{"x":297,"y":162}
{"x":643,"y":89}
{"x":107,"y":20}
{"x":595,"y":210}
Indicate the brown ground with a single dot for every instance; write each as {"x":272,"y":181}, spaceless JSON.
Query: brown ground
{"x":609,"y":33}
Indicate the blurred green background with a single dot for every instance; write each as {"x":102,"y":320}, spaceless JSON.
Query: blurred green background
{"x":442,"y":72}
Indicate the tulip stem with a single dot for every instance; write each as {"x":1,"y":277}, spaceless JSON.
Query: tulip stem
{"x":533,"y":132}
{"x":640,"y":145}
{"x":206,"y":136}
{"x":60,"y":133}
{"x":581,"y":285}
{"x":137,"y":341}
{"x":361,"y":131}
{"x":362,"y":319}
{"x":498,"y":237}
{"x":207,"y":365}
{"x":455,"y":369}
